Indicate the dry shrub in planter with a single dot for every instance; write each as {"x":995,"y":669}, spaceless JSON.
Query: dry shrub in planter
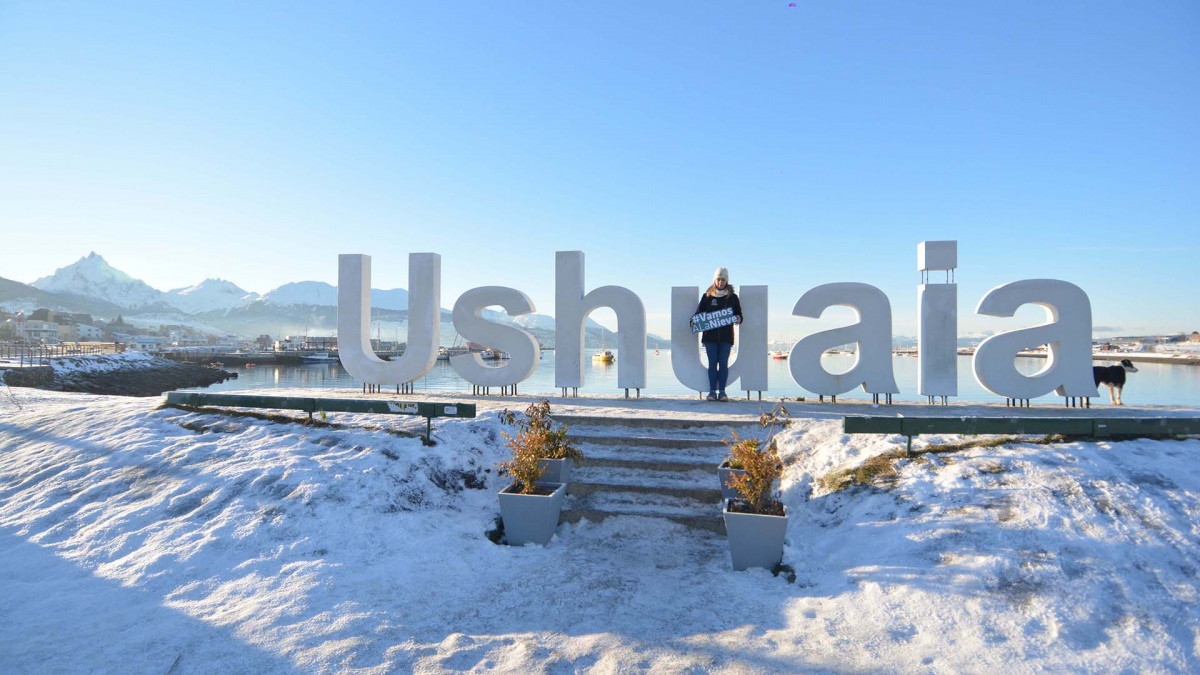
{"x":755,"y":520}
{"x":761,"y":465}
{"x":757,"y":466}
{"x":536,"y":439}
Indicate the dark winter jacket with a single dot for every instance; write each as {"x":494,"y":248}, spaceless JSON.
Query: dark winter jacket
{"x":711,"y":303}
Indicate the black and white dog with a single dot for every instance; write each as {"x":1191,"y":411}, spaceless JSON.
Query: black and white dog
{"x":1114,"y":378}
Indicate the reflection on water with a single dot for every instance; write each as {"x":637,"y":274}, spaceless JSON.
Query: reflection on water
{"x":1153,"y":384}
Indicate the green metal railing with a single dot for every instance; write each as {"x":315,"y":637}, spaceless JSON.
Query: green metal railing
{"x":315,"y":405}
{"x":1095,"y":427}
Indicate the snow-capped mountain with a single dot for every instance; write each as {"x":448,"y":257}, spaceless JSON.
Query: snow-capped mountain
{"x":323,"y":294}
{"x":18,"y":297}
{"x":92,"y":285}
{"x":538,"y":321}
{"x":302,"y":293}
{"x":93,"y":277}
{"x":210,"y":295}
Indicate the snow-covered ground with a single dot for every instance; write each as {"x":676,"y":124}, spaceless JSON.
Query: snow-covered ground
{"x":135,"y":539}
{"x":99,"y":363}
{"x":96,"y":363}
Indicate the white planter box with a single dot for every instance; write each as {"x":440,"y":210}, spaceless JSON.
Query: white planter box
{"x":755,"y":540}
{"x":556,"y":470}
{"x":725,"y":473}
{"x":531,"y":518}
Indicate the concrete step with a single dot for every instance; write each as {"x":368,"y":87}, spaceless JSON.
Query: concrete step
{"x":695,"y":484}
{"x":658,"y":422}
{"x":646,"y":441}
{"x":687,"y":511}
{"x":595,"y":425}
{"x":650,"y":467}
{"x":650,"y":464}
{"x":697,"y":493}
{"x":686,"y":458}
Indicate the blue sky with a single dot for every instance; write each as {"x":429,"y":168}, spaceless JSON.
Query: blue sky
{"x":795,"y":145}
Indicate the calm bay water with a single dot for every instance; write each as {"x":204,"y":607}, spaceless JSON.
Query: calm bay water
{"x":1153,"y":384}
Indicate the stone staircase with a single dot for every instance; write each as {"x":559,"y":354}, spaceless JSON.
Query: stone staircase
{"x":652,"y":467}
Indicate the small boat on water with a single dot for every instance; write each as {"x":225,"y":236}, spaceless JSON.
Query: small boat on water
{"x":320,"y":357}
{"x":603,"y":355}
{"x":778,"y":351}
{"x":444,"y":353}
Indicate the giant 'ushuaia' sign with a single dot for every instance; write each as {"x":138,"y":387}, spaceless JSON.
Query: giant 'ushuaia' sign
{"x":1067,"y":332}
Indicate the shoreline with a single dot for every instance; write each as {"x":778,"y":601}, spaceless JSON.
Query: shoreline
{"x":1142,"y":357}
{"x":150,"y":376}
{"x":113,"y":375}
{"x":1136,"y":357}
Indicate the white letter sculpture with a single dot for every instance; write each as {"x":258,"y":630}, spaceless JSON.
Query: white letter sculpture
{"x":1067,"y":331}
{"x":571,"y":309}
{"x":937,"y":327}
{"x":873,"y":333}
{"x":354,"y":320}
{"x":750,"y":366}
{"x":521,"y":346}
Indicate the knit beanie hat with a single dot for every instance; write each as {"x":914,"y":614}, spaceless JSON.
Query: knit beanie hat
{"x":721,"y":273}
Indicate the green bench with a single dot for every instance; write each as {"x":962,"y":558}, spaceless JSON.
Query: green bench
{"x":314,"y":405}
{"x":1094,"y":427}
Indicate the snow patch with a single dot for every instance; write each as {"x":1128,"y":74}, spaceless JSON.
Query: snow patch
{"x":133,"y":536}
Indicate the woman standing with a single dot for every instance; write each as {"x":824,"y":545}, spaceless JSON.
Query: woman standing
{"x":718,"y":342}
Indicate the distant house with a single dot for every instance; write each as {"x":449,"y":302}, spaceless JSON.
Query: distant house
{"x":68,"y":332}
{"x":322,"y":343}
{"x":317,"y":343}
{"x":386,"y":345}
{"x":41,"y":332}
{"x":1194,"y":337}
{"x":288,"y":344}
{"x":89,"y":333}
{"x":145,"y":344}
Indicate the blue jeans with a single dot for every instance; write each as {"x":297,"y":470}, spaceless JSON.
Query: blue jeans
{"x":718,"y":365}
